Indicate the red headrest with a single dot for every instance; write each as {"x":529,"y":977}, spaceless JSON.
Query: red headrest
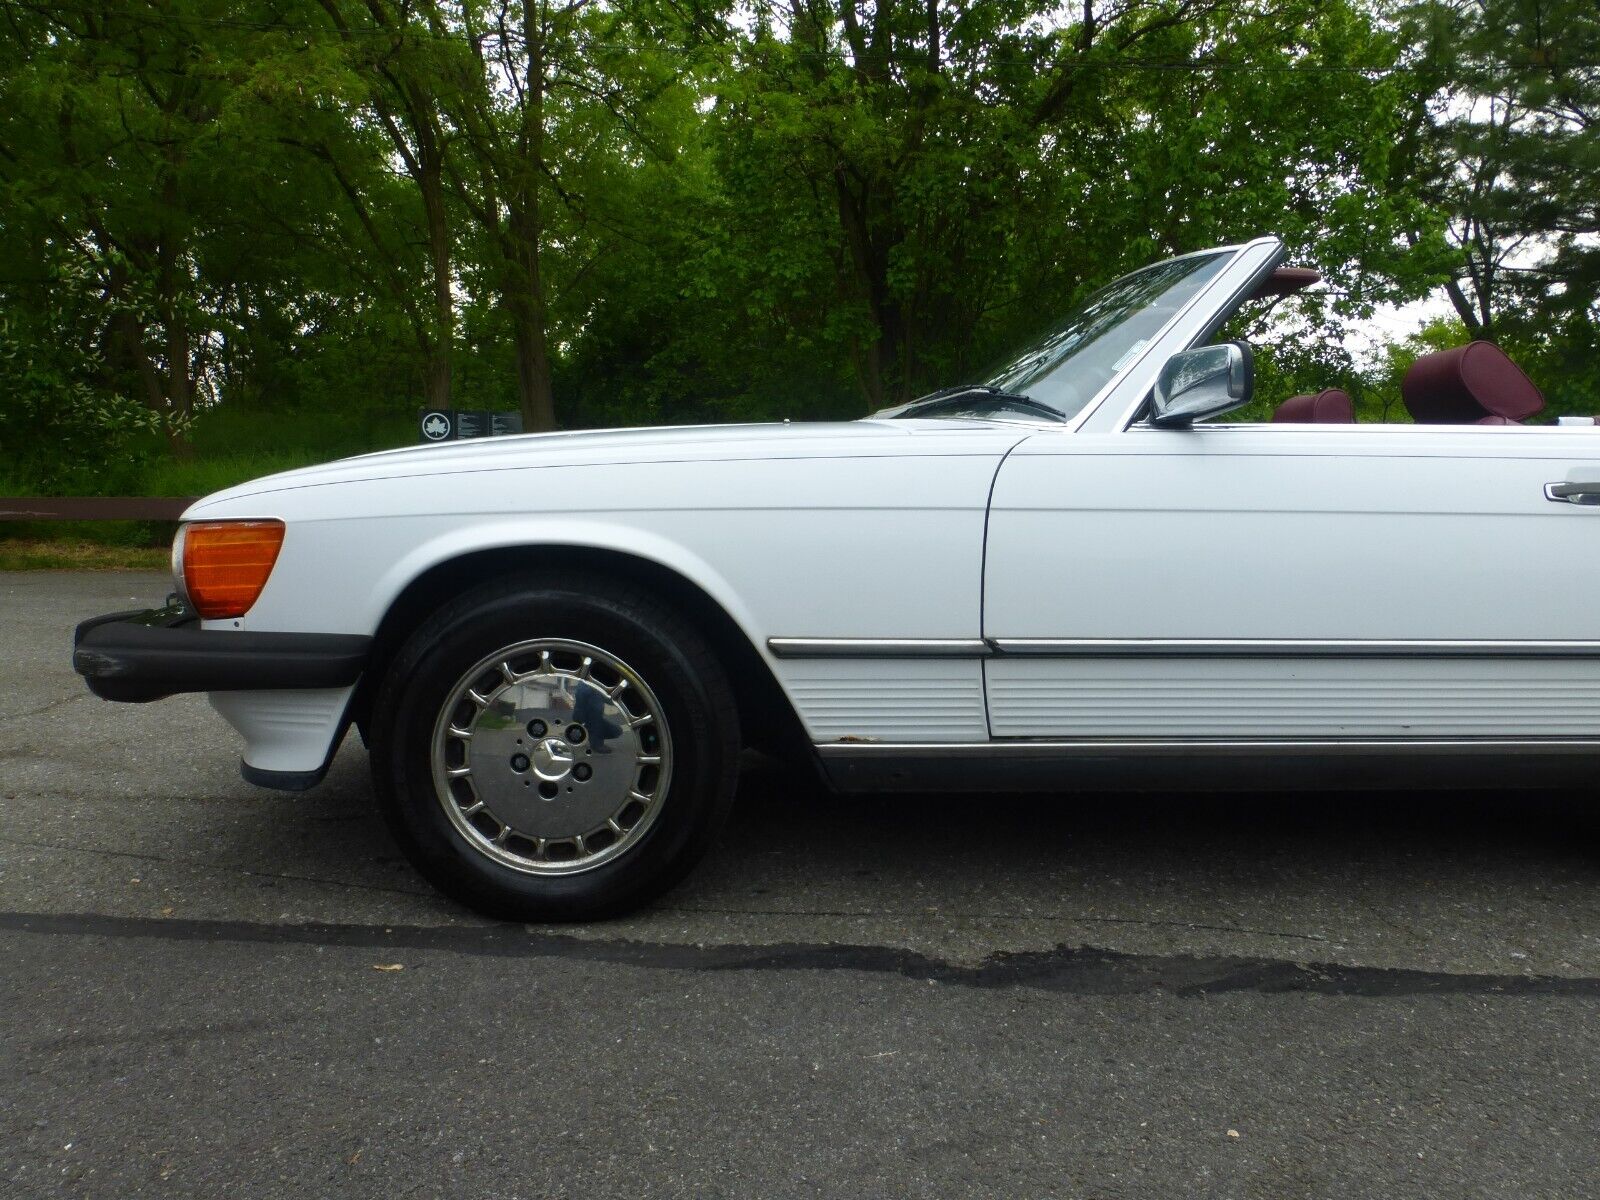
{"x":1286,"y":281}
{"x":1465,"y":385}
{"x":1330,"y":407}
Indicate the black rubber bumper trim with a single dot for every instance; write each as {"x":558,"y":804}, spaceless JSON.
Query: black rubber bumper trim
{"x":147,"y":655}
{"x":283,"y":781}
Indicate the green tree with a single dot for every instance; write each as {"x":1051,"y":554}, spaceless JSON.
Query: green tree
{"x":411,"y":63}
{"x":969,"y":167}
{"x":141,"y":154}
{"x":1513,"y":157}
{"x":560,"y":103}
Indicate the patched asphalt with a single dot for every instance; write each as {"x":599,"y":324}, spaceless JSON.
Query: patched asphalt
{"x":210,"y":988}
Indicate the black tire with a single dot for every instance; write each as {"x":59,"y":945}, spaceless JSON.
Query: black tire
{"x":666,"y":652}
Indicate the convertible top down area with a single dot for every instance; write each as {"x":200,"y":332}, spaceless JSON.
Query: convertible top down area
{"x":1073,"y":571}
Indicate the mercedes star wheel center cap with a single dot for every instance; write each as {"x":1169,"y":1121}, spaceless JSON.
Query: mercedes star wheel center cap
{"x":552,"y":759}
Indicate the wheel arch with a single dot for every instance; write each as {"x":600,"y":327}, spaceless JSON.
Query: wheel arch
{"x":766,"y":714}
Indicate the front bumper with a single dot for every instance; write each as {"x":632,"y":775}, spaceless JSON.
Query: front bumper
{"x":288,"y":694}
{"x":140,"y":656}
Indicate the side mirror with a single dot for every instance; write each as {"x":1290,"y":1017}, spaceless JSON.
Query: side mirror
{"x":1204,"y":382}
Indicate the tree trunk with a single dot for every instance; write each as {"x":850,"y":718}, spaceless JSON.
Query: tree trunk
{"x":525,"y":233}
{"x":525,"y":301}
{"x":171,"y":283}
{"x":875,"y":360}
{"x":180,"y":388}
{"x":537,"y":400}
{"x":437,"y":381}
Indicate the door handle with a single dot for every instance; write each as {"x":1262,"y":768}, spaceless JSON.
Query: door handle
{"x":1570,"y":492}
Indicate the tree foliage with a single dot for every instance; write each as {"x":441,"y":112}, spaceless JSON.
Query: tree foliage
{"x":608,"y":211}
{"x":1511,"y":156}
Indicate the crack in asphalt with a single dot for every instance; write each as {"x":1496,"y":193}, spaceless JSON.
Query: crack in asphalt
{"x":156,"y":1035}
{"x":1013,"y":918}
{"x":698,"y":910}
{"x":7,"y":718}
{"x":214,"y":869}
{"x":1083,"y":970}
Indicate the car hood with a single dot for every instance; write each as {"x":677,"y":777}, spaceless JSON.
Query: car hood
{"x":610,"y":447}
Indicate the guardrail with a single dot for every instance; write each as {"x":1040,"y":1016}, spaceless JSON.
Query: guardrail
{"x":93,"y":508}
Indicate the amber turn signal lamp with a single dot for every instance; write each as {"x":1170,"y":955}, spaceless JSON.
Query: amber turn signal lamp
{"x":224,"y":564}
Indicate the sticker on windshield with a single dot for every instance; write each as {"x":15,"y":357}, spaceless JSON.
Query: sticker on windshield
{"x":1133,"y":353}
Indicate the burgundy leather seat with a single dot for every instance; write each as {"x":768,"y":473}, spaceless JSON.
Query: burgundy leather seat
{"x":1475,"y":384}
{"x":1328,"y":407}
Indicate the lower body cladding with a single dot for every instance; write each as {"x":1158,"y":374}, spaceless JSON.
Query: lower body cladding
{"x":960,"y":716}
{"x":1273,"y":764}
{"x":968,"y":717}
{"x":290,"y":736}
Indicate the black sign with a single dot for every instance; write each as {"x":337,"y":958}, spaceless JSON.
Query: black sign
{"x":438,"y":424}
{"x":455,"y":424}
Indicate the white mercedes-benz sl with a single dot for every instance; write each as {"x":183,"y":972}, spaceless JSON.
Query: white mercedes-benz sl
{"x":556,"y":645}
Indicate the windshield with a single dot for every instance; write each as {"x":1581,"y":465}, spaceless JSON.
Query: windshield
{"x":1061,"y":372}
{"x":1068,"y":367}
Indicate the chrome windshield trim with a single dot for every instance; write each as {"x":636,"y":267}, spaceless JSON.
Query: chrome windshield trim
{"x":1295,"y":647}
{"x":1147,"y":356}
{"x":1074,"y":422}
{"x":807,"y":647}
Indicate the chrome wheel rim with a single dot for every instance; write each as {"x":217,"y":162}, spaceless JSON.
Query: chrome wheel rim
{"x":551,"y":757}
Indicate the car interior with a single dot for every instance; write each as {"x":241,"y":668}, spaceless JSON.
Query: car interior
{"x":1475,"y":384}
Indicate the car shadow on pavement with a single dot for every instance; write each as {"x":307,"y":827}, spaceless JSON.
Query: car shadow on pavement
{"x":1317,"y":866}
{"x":1197,"y":827}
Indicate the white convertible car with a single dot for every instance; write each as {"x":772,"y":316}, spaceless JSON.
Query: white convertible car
{"x":556,"y":645}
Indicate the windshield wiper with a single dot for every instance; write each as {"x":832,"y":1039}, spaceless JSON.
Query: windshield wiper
{"x":999,"y":395}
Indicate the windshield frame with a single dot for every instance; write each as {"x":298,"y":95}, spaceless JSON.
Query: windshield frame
{"x":1225,"y":257}
{"x":1065,"y":422}
{"x":1120,"y":406}
{"x":1006,"y":406}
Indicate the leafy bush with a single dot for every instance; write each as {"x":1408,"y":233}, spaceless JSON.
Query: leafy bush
{"x":64,"y":432}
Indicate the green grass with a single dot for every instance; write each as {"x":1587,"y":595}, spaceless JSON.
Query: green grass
{"x":130,"y":545}
{"x":201,"y":476}
{"x":60,"y":555}
{"x":302,"y":436}
{"x":112,"y":535}
{"x":231,"y":446}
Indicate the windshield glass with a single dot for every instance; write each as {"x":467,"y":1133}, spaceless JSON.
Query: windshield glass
{"x":1067,"y":368}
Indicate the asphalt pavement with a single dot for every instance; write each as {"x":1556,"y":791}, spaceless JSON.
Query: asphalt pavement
{"x":210,"y":989}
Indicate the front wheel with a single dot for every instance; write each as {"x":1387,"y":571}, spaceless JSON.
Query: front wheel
{"x":549,"y":751}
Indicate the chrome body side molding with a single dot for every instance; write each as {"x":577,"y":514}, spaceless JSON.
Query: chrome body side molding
{"x":1296,"y":647}
{"x":814,"y":647}
{"x":809,"y":647}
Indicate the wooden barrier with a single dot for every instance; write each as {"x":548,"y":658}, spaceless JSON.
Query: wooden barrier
{"x":93,"y":508}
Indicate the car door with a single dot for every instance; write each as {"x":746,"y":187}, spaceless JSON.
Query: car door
{"x":1289,"y":582}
